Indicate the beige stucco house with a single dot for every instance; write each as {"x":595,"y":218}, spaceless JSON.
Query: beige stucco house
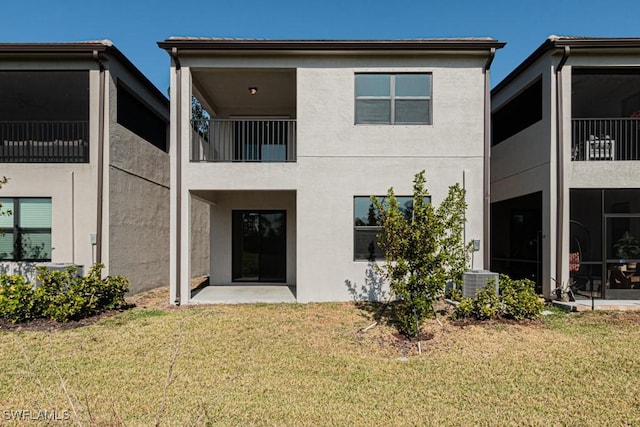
{"x":565,"y":167}
{"x":273,"y":187}
{"x":84,"y":143}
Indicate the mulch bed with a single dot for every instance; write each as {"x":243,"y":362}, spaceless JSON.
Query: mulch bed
{"x":47,"y":325}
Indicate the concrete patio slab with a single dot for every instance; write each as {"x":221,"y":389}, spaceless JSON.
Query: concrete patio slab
{"x":243,"y":294}
{"x":599,"y":304}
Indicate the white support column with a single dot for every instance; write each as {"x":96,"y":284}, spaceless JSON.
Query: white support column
{"x":185,"y":199}
{"x":180,"y":133}
{"x":174,"y":238}
{"x":566,"y":148}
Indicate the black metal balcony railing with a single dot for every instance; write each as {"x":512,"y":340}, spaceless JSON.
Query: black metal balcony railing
{"x":243,"y":140}
{"x":605,"y":139}
{"x":44,"y":142}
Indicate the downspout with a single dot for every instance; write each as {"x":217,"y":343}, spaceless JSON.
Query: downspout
{"x":100,"y":189}
{"x":73,"y":218}
{"x":178,"y":183}
{"x":560,"y":168}
{"x":487,"y":160}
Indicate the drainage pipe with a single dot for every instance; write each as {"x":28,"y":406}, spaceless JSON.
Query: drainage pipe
{"x":560,"y":168}
{"x":100,"y":187}
{"x":486,"y":208}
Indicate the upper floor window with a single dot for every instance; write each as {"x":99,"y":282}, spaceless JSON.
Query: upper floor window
{"x":393,"y":99}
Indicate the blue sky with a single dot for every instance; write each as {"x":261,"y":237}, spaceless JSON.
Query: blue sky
{"x":135,"y":25}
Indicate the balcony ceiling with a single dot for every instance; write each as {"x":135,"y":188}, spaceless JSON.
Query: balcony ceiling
{"x":225,"y":92}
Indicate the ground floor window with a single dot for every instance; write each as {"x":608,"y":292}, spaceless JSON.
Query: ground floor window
{"x":605,"y":242}
{"x":366,"y":225}
{"x":25,"y":229}
{"x":259,"y":246}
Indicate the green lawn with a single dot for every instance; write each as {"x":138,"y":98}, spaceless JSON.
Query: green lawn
{"x":310,"y":365}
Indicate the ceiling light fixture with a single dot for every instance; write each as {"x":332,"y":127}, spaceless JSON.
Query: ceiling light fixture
{"x":253,"y":90}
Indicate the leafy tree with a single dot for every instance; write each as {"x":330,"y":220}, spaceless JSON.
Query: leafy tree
{"x":200,"y":117}
{"x":422,"y":251}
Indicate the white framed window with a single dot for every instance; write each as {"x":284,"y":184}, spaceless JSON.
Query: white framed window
{"x":25,"y":234}
{"x":393,"y":99}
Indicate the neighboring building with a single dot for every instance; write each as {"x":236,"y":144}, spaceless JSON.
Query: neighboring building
{"x":275,"y":187}
{"x":83,"y":140}
{"x":565,"y":170}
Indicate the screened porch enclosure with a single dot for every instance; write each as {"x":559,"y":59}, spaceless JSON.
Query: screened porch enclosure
{"x":44,"y":117}
{"x":517,"y":238}
{"x":605,"y":107}
{"x":605,"y":242}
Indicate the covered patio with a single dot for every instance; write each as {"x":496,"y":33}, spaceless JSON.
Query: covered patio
{"x":244,"y":294}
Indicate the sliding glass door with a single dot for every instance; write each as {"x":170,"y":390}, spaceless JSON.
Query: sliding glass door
{"x":259,"y":246}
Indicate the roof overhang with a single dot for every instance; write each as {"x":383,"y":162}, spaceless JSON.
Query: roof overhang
{"x":221,"y":44}
{"x":79,"y":49}
{"x":553,"y":43}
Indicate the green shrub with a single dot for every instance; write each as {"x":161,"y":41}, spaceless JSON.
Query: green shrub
{"x":16,"y":299}
{"x":55,"y":297}
{"x":408,"y":314}
{"x":454,"y":294}
{"x":487,"y":304}
{"x":517,"y":300}
{"x":464,"y":308}
{"x":61,"y":295}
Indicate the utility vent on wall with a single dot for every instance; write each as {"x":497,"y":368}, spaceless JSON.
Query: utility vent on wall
{"x":474,"y":280}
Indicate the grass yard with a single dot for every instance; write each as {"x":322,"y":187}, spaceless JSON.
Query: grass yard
{"x":310,"y":365}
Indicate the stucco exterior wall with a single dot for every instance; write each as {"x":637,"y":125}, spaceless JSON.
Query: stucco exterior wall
{"x":138,"y":195}
{"x":337,"y":160}
{"x":200,"y":219}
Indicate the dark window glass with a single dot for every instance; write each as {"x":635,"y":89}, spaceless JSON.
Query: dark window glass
{"x":373,"y":111}
{"x":585,"y":224}
{"x":518,"y":114}
{"x":49,"y":96}
{"x":136,"y":116}
{"x":516,"y":238}
{"x":259,"y":246}
{"x":622,"y":201}
{"x":411,"y":111}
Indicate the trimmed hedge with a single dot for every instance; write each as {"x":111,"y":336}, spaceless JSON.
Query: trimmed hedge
{"x":61,"y":295}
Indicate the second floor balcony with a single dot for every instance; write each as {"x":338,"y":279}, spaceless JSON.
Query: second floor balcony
{"x":44,"y":142}
{"x":243,"y":140}
{"x":605,"y":139}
